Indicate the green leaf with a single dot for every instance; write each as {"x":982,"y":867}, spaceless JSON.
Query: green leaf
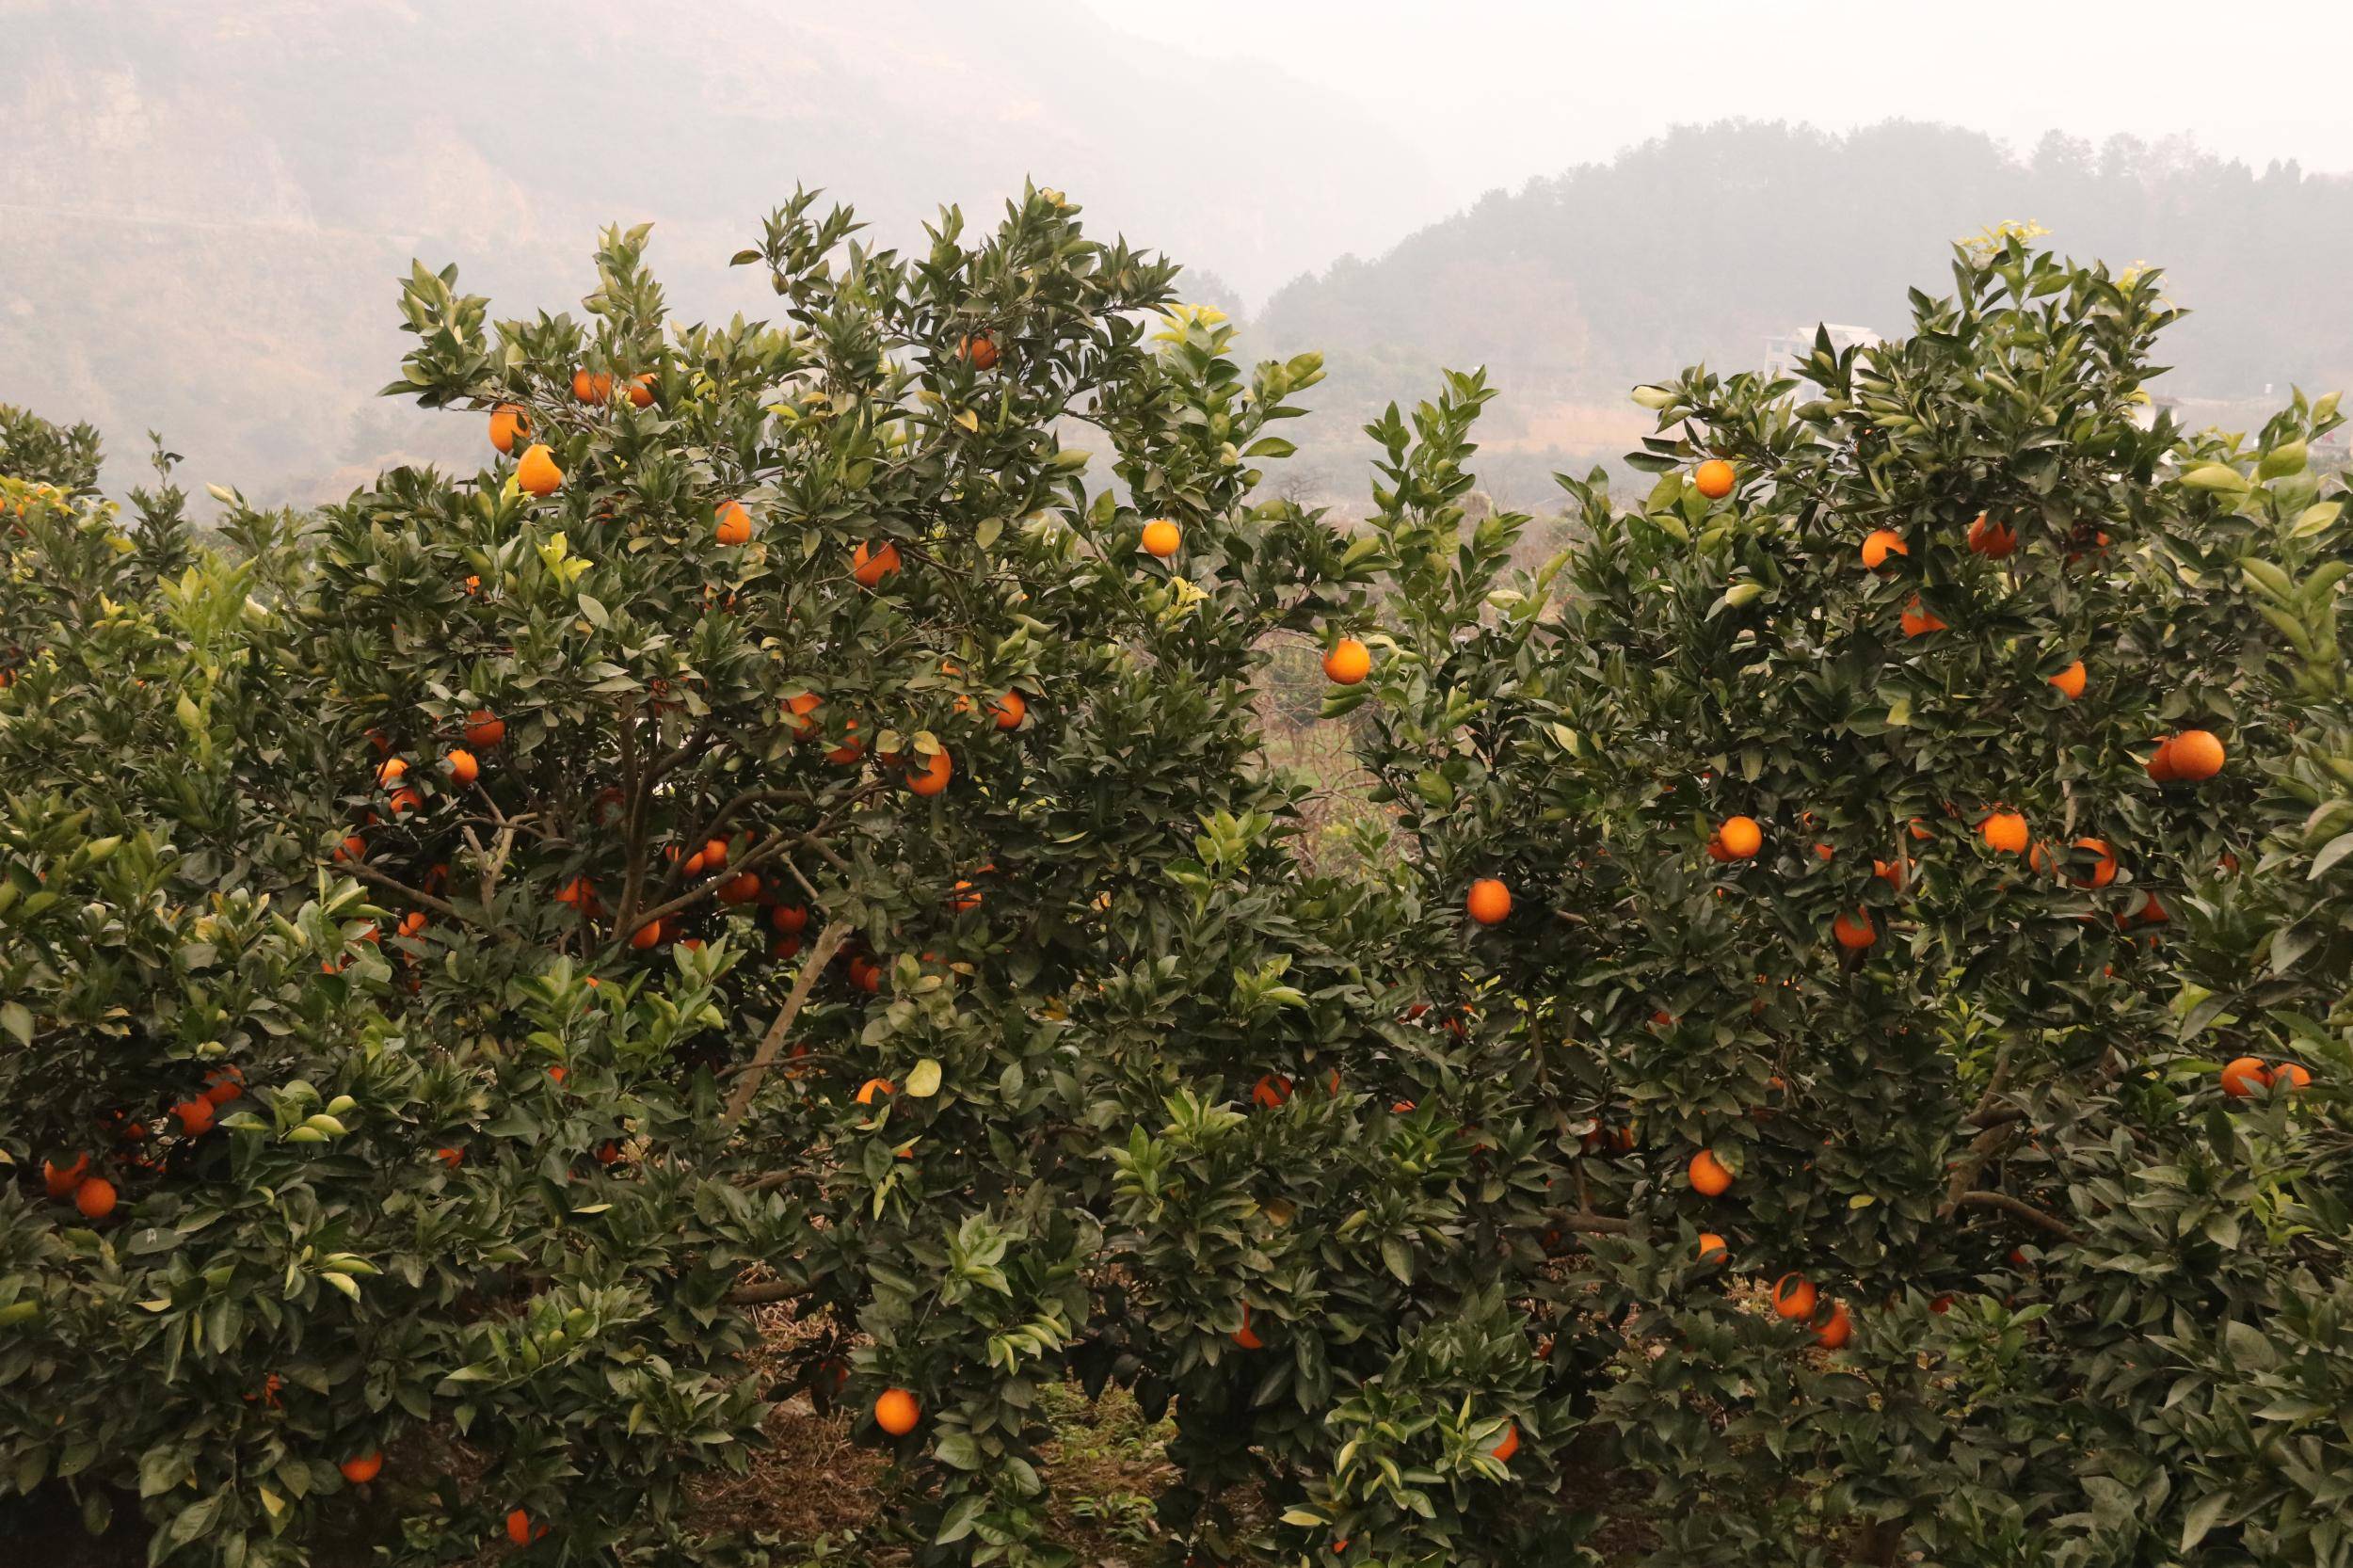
{"x":2204,"y":1515}
{"x":923,"y":1079}
{"x":17,"y":1019}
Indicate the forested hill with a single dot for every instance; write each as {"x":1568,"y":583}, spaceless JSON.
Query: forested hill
{"x":1702,"y":243}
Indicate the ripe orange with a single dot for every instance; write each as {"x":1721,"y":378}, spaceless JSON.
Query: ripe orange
{"x":2004,"y":832}
{"x":1878,"y":544}
{"x":1741,"y":836}
{"x":797,"y":711}
{"x":462,"y":766}
{"x":735,"y":524}
{"x":406,"y":800}
{"x":521,"y":1530}
{"x":1710,"y":1176}
{"x":2243,"y":1076}
{"x":592,"y":387}
{"x":1244,"y":1337}
{"x":714,"y":854}
{"x":1511,"y":1444}
{"x":1712,"y":1248}
{"x":743,"y":888}
{"x":1273,"y":1089}
{"x":641,"y":389}
{"x":1714,"y":478}
{"x":508,"y":423}
{"x":451,"y":1158}
{"x":2196,"y":755}
{"x":1854,"y":932}
{"x":646,"y":936}
{"x":978,"y":351}
{"x":2069,"y":681}
{"x":1793,"y":1296}
{"x":850,"y":748}
{"x":62,"y":1181}
{"x":1992,"y":540}
{"x":352,"y":848}
{"x":1348,"y":662}
{"x":1919,"y":621}
{"x":789,"y":917}
{"x":579,"y":893}
{"x":537,"y":472}
{"x":485,"y":728}
{"x":95,"y":1198}
{"x":412,"y":924}
{"x":391,"y":772}
{"x":1161,"y":537}
{"x":1010,"y":710}
{"x":873,"y":1086}
{"x":786,"y":947}
{"x":1889,"y":871}
{"x":2161,"y":763}
{"x":2297,"y":1078}
{"x":363,"y":1469}
{"x":935,"y":775}
{"x":896,"y":1412}
{"x":1489,"y":900}
{"x":194,"y":1115}
{"x":1836,"y":1330}
{"x":871,"y":567}
{"x":866,"y":975}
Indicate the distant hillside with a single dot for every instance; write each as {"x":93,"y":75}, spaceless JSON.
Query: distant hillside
{"x":1700,"y":245}
{"x":204,"y":208}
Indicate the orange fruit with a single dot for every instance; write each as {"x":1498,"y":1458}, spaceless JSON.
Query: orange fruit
{"x":1010,"y":710}
{"x":2196,"y":755}
{"x":1511,"y":1444}
{"x":1161,"y":537}
{"x":1793,"y":1296}
{"x":850,"y":748}
{"x":485,"y":728}
{"x":873,"y":1086}
{"x":641,"y":389}
{"x":866,"y":975}
{"x":2297,"y":1078}
{"x":935,"y":775}
{"x":1919,"y":622}
{"x":2243,"y":1076}
{"x":61,"y":1180}
{"x":412,"y":924}
{"x":646,"y":936}
{"x":1920,"y":829}
{"x":1710,"y":1176}
{"x":451,"y":1158}
{"x":194,"y":1116}
{"x":1348,"y":662}
{"x":521,"y":1530}
{"x":365,"y":1468}
{"x":1836,"y":1330}
{"x":978,"y":351}
{"x":579,"y":893}
{"x":786,"y":947}
{"x":508,"y":423}
{"x":391,"y":772}
{"x":95,"y":1198}
{"x":1891,"y":872}
{"x":1992,"y":540}
{"x":592,"y":387}
{"x":1714,"y":478}
{"x":1854,"y":932}
{"x":1741,"y":836}
{"x":406,"y":800}
{"x":2004,"y":831}
{"x":871,"y":567}
{"x":743,"y":887}
{"x":797,"y":711}
{"x":1712,"y":1248}
{"x":1878,"y":544}
{"x":734,"y":524}
{"x":1273,"y":1089}
{"x":2161,"y":763}
{"x":1489,"y":900}
{"x":2069,"y":681}
{"x":1244,"y":1337}
{"x":896,"y":1412}
{"x":790,"y":918}
{"x":462,"y":766}
{"x":537,"y":472}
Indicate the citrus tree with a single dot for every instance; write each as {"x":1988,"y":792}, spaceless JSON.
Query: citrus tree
{"x":1811,"y":821}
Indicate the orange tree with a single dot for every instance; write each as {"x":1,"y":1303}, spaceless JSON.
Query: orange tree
{"x":1840,"y":862}
{"x":826,"y":646}
{"x":276,"y":1232}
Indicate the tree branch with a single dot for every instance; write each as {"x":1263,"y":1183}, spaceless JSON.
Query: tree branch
{"x":820,"y":954}
{"x":769,"y":1290}
{"x":2024,"y":1210}
{"x":418,"y":897}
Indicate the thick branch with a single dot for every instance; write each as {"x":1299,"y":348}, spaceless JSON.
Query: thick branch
{"x":1586,"y":1221}
{"x":2024,"y":1210}
{"x":820,"y":954}
{"x":770,"y":1290}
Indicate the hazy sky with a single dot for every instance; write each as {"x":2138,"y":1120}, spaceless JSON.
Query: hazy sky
{"x":1500,"y":90}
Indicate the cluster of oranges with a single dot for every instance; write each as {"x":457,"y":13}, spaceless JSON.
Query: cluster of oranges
{"x":93,"y":1195}
{"x":1794,"y":1297}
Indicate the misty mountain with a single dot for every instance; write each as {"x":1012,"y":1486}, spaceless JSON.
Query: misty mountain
{"x":205,"y":209}
{"x":1699,"y":245}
